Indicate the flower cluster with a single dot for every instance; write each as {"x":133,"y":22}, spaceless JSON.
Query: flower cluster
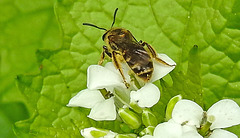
{"x":190,"y":121}
{"x":108,"y":98}
{"x":105,"y":89}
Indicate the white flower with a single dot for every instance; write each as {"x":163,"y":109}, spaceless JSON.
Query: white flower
{"x":172,"y":129}
{"x":220,"y":133}
{"x":109,"y":78}
{"x":98,"y":77}
{"x":147,"y":96}
{"x":187,"y":112}
{"x":187,"y":117}
{"x":94,"y":132}
{"x":224,"y":113}
{"x":101,"y":108}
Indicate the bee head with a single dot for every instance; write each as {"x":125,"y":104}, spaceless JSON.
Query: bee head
{"x":116,"y":34}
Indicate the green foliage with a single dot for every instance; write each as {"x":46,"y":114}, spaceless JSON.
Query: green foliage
{"x":205,"y":74}
{"x":25,"y":26}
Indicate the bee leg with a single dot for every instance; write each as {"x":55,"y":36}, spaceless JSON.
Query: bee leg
{"x":116,"y":60}
{"x":105,"y":51}
{"x":154,"y":55}
{"x":102,"y":58}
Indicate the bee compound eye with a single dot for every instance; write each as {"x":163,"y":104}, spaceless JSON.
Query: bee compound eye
{"x":103,"y":37}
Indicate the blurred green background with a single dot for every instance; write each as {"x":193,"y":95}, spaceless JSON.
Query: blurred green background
{"x":25,"y":26}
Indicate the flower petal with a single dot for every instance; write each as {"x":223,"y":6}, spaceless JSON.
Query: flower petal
{"x":168,"y":129}
{"x":186,"y":111}
{"x":110,"y":134}
{"x":125,"y":70}
{"x":86,"y":133}
{"x":105,"y":110}
{"x":86,"y":98}
{"x":92,"y":132}
{"x":99,"y":77}
{"x":147,"y":96}
{"x":220,"y":133}
{"x":226,"y":113}
{"x":147,"y":136}
{"x":160,"y":70}
{"x":190,"y":132}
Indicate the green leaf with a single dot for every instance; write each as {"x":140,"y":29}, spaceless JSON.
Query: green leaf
{"x":10,"y":113}
{"x":14,"y":111}
{"x":6,"y":126}
{"x":172,"y":27}
{"x":62,"y":75}
{"x":25,"y":26}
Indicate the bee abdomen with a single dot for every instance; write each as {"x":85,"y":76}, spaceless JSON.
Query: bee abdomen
{"x":143,"y":72}
{"x":140,"y":62}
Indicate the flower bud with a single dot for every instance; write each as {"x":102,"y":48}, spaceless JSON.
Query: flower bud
{"x":147,"y":131}
{"x":171,"y":105}
{"x":136,"y":107}
{"x":96,"y":133}
{"x":130,"y":118}
{"x":125,"y":128}
{"x":148,"y":118}
{"x":211,"y":118}
{"x":126,"y":136}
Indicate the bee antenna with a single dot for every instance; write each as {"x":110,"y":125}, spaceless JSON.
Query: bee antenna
{"x":114,"y":17}
{"x":94,"y":26}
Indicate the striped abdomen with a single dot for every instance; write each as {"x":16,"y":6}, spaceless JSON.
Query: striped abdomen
{"x":140,"y":62}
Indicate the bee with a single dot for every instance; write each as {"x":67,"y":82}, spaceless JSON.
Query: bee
{"x":122,"y":46}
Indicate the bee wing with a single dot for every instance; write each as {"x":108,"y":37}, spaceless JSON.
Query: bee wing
{"x":139,"y":61}
{"x":134,"y":56}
